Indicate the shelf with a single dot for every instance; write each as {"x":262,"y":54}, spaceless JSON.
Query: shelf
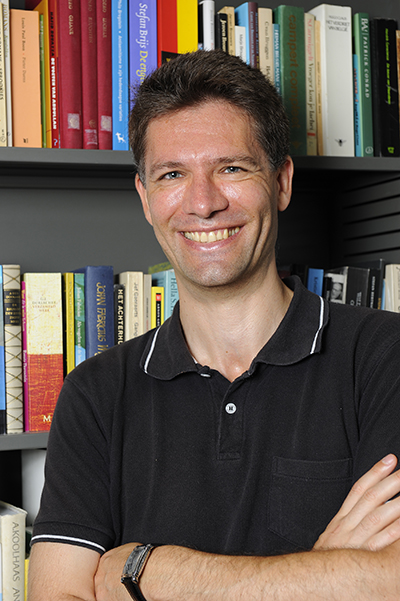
{"x":27,"y":440}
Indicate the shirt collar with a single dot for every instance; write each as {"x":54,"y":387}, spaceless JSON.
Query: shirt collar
{"x":299,"y":335}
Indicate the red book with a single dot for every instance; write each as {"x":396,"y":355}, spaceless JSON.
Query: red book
{"x":53,"y":52}
{"x":89,"y":74}
{"x":42,"y":347}
{"x":69,"y":73}
{"x":167,"y":30}
{"x":104,"y":98}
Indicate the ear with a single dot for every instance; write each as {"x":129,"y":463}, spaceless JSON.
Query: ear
{"x":143,"y":197}
{"x":285,"y":178}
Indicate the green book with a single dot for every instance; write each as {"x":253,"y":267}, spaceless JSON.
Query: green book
{"x":361,"y":38}
{"x":293,"y":77}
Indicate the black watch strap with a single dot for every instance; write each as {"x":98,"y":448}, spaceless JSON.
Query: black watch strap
{"x":133,"y":569}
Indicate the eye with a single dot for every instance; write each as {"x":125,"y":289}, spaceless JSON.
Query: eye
{"x":233,"y":169}
{"x":171,"y":175}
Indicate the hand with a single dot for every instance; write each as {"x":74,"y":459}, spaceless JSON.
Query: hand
{"x":107,"y":580}
{"x":368,"y":519}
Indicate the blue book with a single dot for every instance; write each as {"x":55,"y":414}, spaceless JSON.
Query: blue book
{"x":142,"y":40}
{"x":277,"y":58}
{"x":357,"y":124}
{"x":120,"y":74}
{"x":246,"y":15}
{"x":99,"y":308}
{"x":3,"y":412}
{"x":315,"y":280}
{"x":167,"y":280}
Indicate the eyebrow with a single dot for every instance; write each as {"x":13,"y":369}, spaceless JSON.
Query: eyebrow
{"x":226,"y":160}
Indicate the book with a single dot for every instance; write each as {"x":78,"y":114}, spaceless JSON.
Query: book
{"x":12,"y":542}
{"x":375,"y":284}
{"x":157,"y":306}
{"x":104,"y":75}
{"x":5,"y":6}
{"x":336,"y":79}
{"x":90,"y":139}
{"x":3,"y":406}
{"x":315,"y":279}
{"x":356,"y":288}
{"x":3,"y":97}
{"x":229,"y":11}
{"x":79,"y":318}
{"x":311,"y":91}
{"x":42,"y":348}
{"x":133,"y":283}
{"x":13,"y":348}
{"x":119,"y":313}
{"x":42,"y":81}
{"x":277,"y":57}
{"x":120,"y":74}
{"x":357,"y":116}
{"x":206,"y":33}
{"x":43,"y":9}
{"x":25,"y":78}
{"x":99,"y":308}
{"x":292,"y":73}
{"x":167,"y":30}
{"x":318,"y":85}
{"x":266,"y":42}
{"x":240,"y":42}
{"x":54,"y":87}
{"x":246,"y":15}
{"x":385,"y":87}
{"x":361,"y":40}
{"x":167,"y":280}
{"x":392,"y":287}
{"x":221,"y":32}
{"x":187,"y":26}
{"x":334,"y":288}
{"x":147,"y":286}
{"x":142,"y":40}
{"x":69,"y":321}
{"x":69,"y":73}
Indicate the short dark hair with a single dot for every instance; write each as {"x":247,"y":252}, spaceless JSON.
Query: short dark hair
{"x":204,"y":75}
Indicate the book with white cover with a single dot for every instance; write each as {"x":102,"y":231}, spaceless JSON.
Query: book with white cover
{"x":5,"y":6}
{"x":206,"y":25}
{"x":240,"y":42}
{"x":336,"y":79}
{"x":12,"y":541}
{"x":266,"y":42}
{"x":311,"y":92}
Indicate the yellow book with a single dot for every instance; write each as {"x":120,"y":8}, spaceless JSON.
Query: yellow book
{"x":43,"y":9}
{"x":157,"y":306}
{"x":69,"y":321}
{"x":187,"y":25}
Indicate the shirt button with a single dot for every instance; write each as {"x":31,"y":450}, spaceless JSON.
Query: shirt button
{"x":230,"y":408}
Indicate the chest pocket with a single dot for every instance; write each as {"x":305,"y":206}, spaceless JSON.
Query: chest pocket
{"x":305,"y":496}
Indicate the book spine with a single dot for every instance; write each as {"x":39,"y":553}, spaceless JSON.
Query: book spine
{"x":167,"y":30}
{"x":167,"y":280}
{"x":79,"y":318}
{"x":53,"y":68}
{"x":3,"y":97}
{"x":43,"y":348}
{"x":70,"y":73}
{"x":240,"y":42}
{"x":277,"y":58}
{"x":357,"y":286}
{"x":311,"y":104}
{"x":292,"y":65}
{"x":25,"y":78}
{"x":7,"y":66}
{"x":12,"y":540}
{"x":315,"y":280}
{"x":336,"y":79}
{"x":42,"y":81}
{"x":357,"y":117}
{"x":221,"y":32}
{"x":187,"y":26}
{"x":206,"y":12}
{"x":266,"y":42}
{"x":13,"y":348}
{"x":119,"y":313}
{"x":361,"y":38}
{"x":120,"y":74}
{"x":104,"y":75}
{"x":133,"y":282}
{"x":385,"y":87}
{"x":157,"y":306}
{"x":246,"y":15}
{"x":43,"y":10}
{"x":89,"y":74}
{"x":318,"y":83}
{"x":3,"y":411}
{"x":229,"y":11}
{"x":142,"y":40}
{"x":147,"y":285}
{"x":69,"y":322}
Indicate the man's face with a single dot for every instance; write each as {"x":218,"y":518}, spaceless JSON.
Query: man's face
{"x":211,"y":196}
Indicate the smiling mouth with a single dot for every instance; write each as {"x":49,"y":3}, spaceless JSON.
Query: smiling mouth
{"x":216,"y":235}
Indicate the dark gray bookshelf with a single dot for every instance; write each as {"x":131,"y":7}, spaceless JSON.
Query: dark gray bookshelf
{"x":25,"y":441}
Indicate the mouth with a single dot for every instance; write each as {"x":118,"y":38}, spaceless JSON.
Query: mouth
{"x":214,"y":236}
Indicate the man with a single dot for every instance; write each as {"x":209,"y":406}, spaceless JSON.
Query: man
{"x":232,"y":435}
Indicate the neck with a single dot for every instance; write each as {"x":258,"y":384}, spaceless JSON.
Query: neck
{"x":226,"y":331}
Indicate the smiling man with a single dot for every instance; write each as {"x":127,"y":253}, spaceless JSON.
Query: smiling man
{"x":245,"y":449}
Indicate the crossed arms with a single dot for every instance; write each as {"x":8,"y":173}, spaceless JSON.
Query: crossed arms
{"x":356,"y":557}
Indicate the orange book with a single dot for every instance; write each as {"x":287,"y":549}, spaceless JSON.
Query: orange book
{"x":25,"y":78}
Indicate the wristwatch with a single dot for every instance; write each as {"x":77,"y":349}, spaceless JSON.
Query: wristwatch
{"x":133,"y":570}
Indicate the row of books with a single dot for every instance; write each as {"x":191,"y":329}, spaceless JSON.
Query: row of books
{"x":374,"y":284}
{"x":53,"y":321}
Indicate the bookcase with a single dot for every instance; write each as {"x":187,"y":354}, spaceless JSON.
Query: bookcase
{"x":62,"y":209}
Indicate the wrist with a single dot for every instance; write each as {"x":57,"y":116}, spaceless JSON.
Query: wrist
{"x":133,"y":570}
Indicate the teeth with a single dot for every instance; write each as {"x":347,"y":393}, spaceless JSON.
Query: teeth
{"x":206,"y":237}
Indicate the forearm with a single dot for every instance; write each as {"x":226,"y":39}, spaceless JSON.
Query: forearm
{"x":180,"y":574}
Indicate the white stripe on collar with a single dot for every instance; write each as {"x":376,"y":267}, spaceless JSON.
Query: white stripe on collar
{"x":321,"y":322}
{"x":148,"y":358}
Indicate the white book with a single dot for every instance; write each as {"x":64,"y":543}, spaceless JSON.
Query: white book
{"x":206,"y":18}
{"x":311,"y":113}
{"x":266,"y":42}
{"x":12,"y":541}
{"x":240,"y":42}
{"x":336,"y":79}
{"x":133,"y":282}
{"x":7,"y":65}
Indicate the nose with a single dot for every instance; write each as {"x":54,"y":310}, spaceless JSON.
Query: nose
{"x":203,"y":197}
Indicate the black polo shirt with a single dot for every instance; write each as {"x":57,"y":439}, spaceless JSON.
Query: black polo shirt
{"x":148,"y":446}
